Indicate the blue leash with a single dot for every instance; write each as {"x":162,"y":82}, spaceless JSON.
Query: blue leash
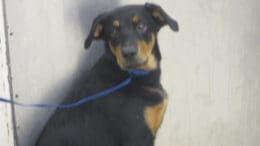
{"x":132,"y":73}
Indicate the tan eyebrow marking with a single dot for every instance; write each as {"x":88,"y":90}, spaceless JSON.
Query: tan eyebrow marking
{"x":135,"y":19}
{"x":116,"y":23}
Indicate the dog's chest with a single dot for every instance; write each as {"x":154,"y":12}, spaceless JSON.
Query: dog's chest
{"x":153,"y":114}
{"x":148,"y":108}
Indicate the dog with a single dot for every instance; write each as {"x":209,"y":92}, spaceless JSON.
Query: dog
{"x":130,"y":116}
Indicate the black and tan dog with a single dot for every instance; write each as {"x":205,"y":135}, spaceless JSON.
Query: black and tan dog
{"x":130,"y":116}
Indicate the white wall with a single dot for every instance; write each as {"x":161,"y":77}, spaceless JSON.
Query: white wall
{"x":211,"y":68}
{"x":6,"y":125}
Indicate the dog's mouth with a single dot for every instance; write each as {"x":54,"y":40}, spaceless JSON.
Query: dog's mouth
{"x":148,"y":63}
{"x":135,"y":64}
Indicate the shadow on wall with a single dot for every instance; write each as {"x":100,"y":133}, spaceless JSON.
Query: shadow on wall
{"x":86,"y":11}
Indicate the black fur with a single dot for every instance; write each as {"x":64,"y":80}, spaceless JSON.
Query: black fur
{"x":115,"y":120}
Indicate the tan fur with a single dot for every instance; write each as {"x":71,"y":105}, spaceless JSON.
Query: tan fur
{"x":98,"y":30}
{"x":116,"y":24}
{"x":118,"y":53}
{"x":135,"y":19}
{"x":150,"y":64}
{"x":145,"y":53}
{"x":154,"y":114}
{"x":156,"y":14}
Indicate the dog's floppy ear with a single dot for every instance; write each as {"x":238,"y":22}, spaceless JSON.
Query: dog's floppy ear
{"x":161,"y":17}
{"x":96,"y":31}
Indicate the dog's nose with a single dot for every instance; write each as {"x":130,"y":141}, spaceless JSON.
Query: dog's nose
{"x":129,"y":52}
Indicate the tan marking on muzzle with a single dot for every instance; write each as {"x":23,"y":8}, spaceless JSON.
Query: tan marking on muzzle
{"x":118,"y":54}
{"x":150,"y":64}
{"x":145,"y":53}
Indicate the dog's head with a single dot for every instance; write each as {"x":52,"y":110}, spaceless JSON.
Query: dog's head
{"x":130,"y":33}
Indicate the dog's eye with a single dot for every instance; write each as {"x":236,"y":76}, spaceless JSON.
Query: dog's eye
{"x":141,"y":27}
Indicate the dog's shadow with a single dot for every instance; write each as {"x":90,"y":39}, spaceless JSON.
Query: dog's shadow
{"x":87,"y":11}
